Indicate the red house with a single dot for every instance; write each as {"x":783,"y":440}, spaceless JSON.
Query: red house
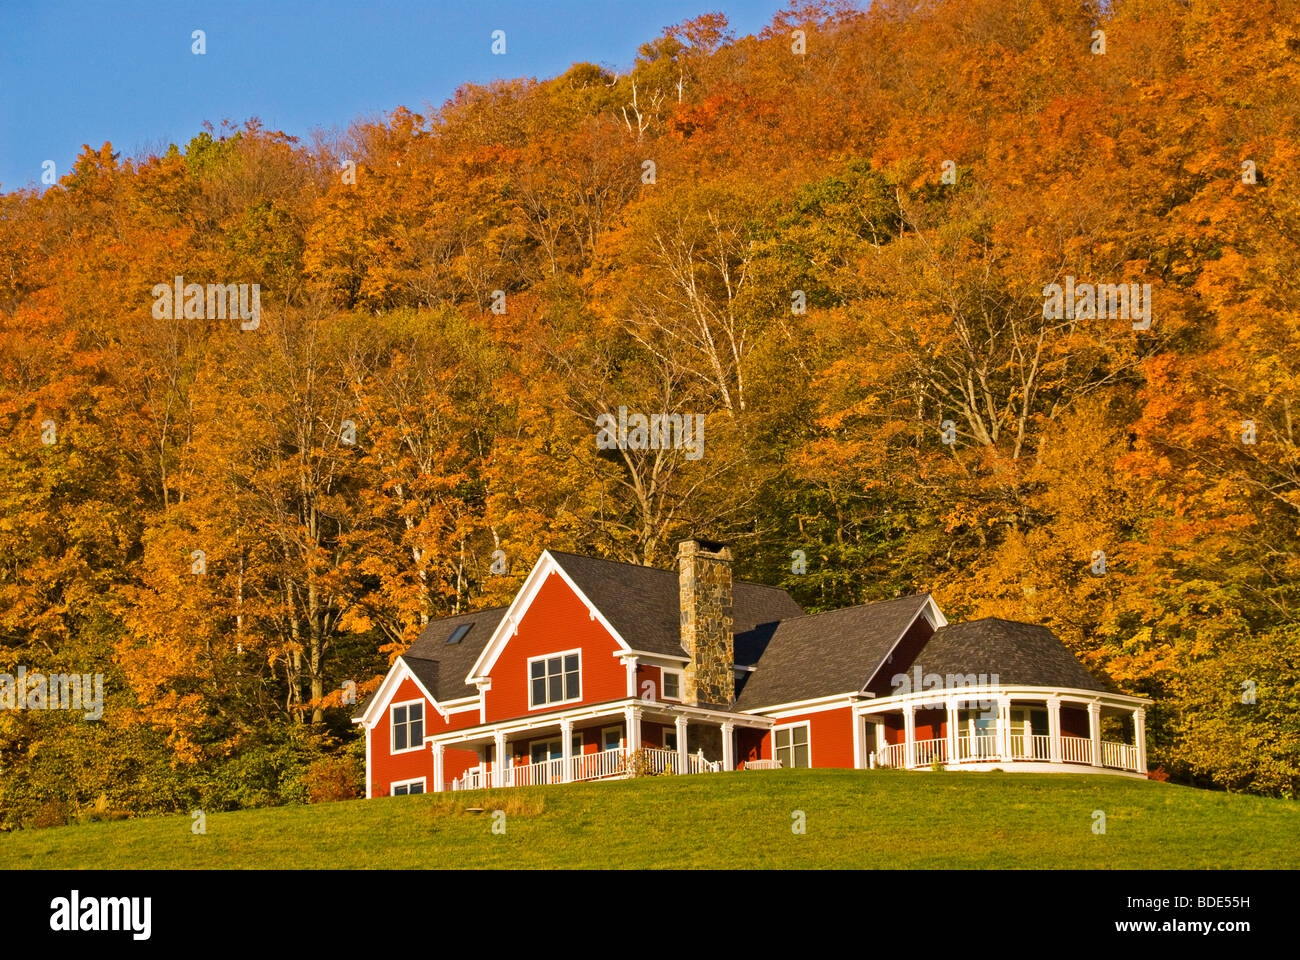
{"x":600,"y":669}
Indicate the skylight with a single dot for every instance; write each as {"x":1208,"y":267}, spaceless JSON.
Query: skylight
{"x":459,"y":633}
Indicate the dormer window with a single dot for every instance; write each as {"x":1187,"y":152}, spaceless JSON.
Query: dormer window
{"x":408,"y":726}
{"x":555,"y":679}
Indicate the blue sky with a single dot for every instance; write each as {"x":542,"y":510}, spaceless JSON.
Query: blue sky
{"x":87,"y":72}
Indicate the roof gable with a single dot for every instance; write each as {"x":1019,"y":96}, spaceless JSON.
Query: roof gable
{"x":1017,"y":654}
{"x":546,"y":565}
{"x":644,"y":607}
{"x":437,"y":667}
{"x":834,"y":652}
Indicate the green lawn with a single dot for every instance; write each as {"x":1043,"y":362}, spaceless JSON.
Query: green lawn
{"x":853,"y":819}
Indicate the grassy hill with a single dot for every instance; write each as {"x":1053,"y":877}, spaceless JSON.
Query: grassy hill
{"x":853,"y":819}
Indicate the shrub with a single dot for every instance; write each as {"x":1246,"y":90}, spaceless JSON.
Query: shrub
{"x":332,"y":778}
{"x":51,"y":813}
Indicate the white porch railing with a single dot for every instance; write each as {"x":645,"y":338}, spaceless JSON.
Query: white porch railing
{"x":1121,"y":756}
{"x":928,"y":751}
{"x":604,"y":765}
{"x":596,"y":766}
{"x":893,"y":755}
{"x":762,"y":764}
{"x":1076,"y":749}
{"x":984,"y":748}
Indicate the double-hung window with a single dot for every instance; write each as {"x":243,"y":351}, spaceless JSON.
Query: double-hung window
{"x":672,"y":684}
{"x":408,"y":726}
{"x":791,"y":745}
{"x":554,"y":679}
{"x":407,"y":787}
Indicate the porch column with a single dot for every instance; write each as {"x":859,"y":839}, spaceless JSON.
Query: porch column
{"x":682,"y":764}
{"x":1094,"y":732}
{"x":728,"y":746}
{"x":1140,"y":738}
{"x":632,"y":728}
{"x":879,"y":723}
{"x":952,"y":721}
{"x":566,"y":750}
{"x":629,"y":664}
{"x":859,"y":761}
{"x":438,"y":749}
{"x":1054,"y":728}
{"x":1004,"y":727}
{"x":500,"y":759}
{"x":909,"y":736}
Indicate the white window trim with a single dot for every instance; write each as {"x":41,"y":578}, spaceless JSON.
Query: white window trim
{"x":392,"y":726}
{"x":616,"y":729}
{"x":792,"y":726}
{"x":423,"y":782}
{"x":666,"y":731}
{"x":528,"y":676}
{"x":663,"y":687}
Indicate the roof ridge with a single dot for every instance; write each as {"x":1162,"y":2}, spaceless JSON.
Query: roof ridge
{"x":1018,"y":623}
{"x":467,"y":613}
{"x":857,"y":606}
{"x":642,"y":566}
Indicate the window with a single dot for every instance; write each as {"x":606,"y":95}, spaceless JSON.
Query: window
{"x":408,"y":726}
{"x":458,"y":634}
{"x":611,"y":738}
{"x":672,"y":684}
{"x":553,"y":680}
{"x":542,"y":750}
{"x":408,"y":787}
{"x":791,"y":745}
{"x":670,"y":738}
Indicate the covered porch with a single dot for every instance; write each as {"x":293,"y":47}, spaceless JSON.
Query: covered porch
{"x":610,"y":741}
{"x":1034,"y":729}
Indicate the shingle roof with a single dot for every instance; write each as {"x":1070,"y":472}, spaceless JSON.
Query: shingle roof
{"x":642,"y":604}
{"x":1017,"y":653}
{"x":827,"y":653}
{"x":443,"y":667}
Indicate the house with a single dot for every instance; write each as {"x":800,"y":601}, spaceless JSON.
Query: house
{"x":598,"y":669}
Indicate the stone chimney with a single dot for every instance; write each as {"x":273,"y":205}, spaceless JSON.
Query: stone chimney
{"x":704,"y":592}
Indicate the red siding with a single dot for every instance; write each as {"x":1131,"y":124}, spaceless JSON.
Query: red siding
{"x":931,"y":724}
{"x":387,"y":767}
{"x":894,"y":728}
{"x":1074,"y":721}
{"x":556,"y":621}
{"x":648,"y":674}
{"x":830,"y":737}
{"x":749,"y":744}
{"x":900,"y":660}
